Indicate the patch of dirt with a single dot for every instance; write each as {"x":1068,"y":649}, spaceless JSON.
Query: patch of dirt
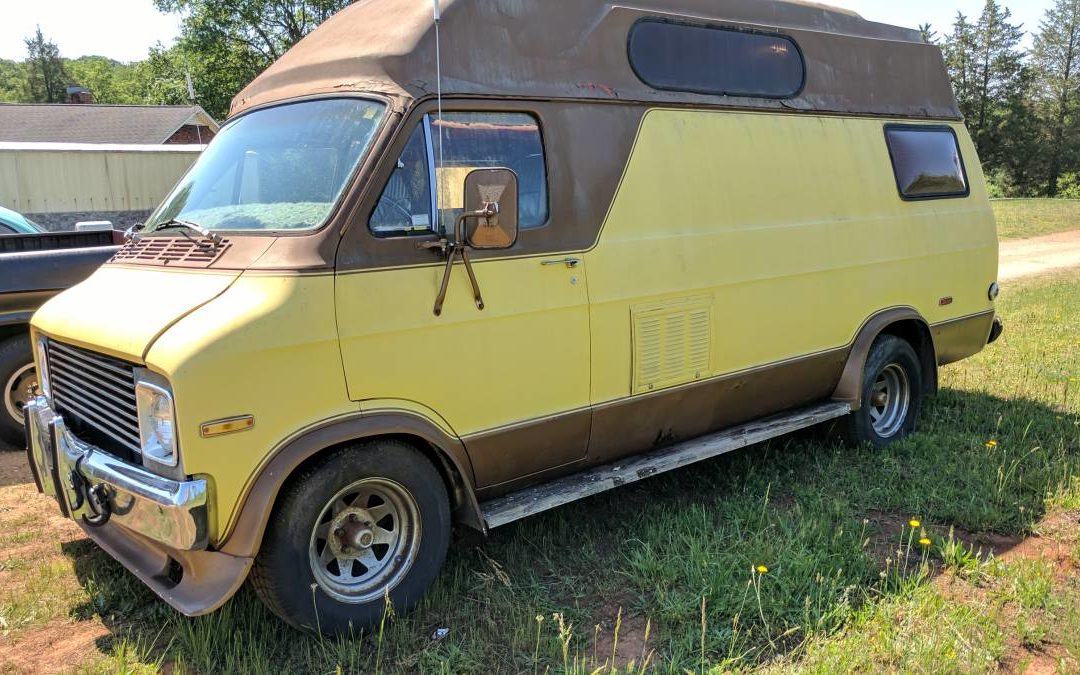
{"x":1030,"y":257}
{"x":14,"y":469}
{"x":632,"y":642}
{"x":52,"y":648}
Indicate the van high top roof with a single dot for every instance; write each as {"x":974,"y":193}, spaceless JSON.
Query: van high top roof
{"x":577,"y":49}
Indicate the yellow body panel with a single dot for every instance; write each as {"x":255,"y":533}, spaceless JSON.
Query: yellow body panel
{"x":524,"y":356}
{"x":792,"y":224}
{"x":121,"y":310}
{"x":268,"y":348}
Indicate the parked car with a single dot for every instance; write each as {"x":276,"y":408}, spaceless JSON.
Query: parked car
{"x":34,"y":266}
{"x":630,"y":238}
{"x":12,"y":222}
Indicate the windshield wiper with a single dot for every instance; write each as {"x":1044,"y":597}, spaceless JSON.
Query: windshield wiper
{"x":214,"y":237}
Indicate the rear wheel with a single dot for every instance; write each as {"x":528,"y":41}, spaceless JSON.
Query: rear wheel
{"x":367,"y":523}
{"x":17,"y":375}
{"x":892,"y":391}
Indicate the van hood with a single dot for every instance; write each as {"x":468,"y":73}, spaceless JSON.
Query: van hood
{"x":122,"y":310}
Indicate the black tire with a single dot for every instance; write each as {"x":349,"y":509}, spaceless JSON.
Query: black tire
{"x":285,"y":574}
{"x":884,"y":420}
{"x":15,"y":356}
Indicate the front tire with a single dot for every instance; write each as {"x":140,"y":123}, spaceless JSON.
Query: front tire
{"x":892,"y":391}
{"x":365,"y":523}
{"x":17,"y":374}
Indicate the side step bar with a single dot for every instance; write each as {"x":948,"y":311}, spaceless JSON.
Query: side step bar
{"x":517,"y":505}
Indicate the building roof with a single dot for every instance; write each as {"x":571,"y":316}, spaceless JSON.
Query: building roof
{"x":96,"y":123}
{"x":579,"y":50}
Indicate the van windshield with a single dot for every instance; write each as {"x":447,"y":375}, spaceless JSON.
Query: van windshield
{"x":281,"y":168}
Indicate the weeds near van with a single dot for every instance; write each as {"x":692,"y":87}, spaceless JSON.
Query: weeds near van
{"x":799,"y":555}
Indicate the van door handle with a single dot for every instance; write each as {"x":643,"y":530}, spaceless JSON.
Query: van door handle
{"x":569,"y":262}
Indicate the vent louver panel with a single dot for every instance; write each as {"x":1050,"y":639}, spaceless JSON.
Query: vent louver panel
{"x":165,"y":250}
{"x":672,"y":343}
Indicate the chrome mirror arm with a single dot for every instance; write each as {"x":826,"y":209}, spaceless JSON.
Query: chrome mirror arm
{"x":460,"y":246}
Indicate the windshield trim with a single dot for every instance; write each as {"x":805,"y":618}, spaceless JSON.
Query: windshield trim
{"x":347,"y":186}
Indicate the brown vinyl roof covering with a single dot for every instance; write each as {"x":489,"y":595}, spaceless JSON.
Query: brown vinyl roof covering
{"x":95,"y":123}
{"x":578,"y":49}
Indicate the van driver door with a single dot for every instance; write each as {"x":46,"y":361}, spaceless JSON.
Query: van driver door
{"x":511,"y":380}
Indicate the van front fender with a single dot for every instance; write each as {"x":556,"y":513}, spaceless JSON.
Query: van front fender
{"x":245,"y":536}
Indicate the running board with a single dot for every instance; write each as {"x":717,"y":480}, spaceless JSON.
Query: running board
{"x":517,"y":505}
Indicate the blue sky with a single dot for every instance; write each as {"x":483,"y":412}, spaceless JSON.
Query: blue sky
{"x":125,"y":29}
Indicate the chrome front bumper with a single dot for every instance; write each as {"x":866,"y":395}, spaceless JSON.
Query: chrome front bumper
{"x":167,"y":512}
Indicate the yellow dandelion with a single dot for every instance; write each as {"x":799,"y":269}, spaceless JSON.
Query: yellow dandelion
{"x":925,"y":541}
{"x":761,"y":569}
{"x":991,"y":444}
{"x":914,"y":523}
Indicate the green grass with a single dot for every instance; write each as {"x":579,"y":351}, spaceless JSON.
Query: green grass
{"x":847,"y":587}
{"x":1025,"y":218}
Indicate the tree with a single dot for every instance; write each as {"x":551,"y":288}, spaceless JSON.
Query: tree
{"x":929,"y":35}
{"x":959,"y":51}
{"x":46,"y":81}
{"x":1057,"y":66}
{"x":226,"y":43}
{"x":992,"y":84}
{"x":12,"y":81}
{"x":109,"y":80}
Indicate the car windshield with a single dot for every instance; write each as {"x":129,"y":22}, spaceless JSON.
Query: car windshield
{"x":281,"y":168}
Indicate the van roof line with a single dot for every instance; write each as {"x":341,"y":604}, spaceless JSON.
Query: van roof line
{"x":579,"y":50}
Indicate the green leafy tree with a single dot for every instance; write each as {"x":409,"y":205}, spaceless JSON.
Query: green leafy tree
{"x":12,"y":81}
{"x":46,"y":80}
{"x":929,"y":35}
{"x":1056,"y":60}
{"x":109,"y":80}
{"x":226,"y":43}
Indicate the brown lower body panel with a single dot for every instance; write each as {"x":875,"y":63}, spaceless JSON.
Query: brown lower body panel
{"x":960,"y":338}
{"x":633,"y":425}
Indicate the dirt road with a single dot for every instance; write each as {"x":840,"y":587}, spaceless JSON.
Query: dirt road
{"x":1030,"y":257}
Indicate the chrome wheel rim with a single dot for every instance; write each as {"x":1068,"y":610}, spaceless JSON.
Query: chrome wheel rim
{"x":17,"y":391}
{"x":365,"y":540}
{"x":890,"y":399}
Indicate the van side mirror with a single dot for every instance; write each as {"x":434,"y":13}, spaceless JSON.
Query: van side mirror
{"x":492,"y":195}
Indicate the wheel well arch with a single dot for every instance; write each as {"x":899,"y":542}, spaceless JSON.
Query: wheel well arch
{"x":903,"y":322}
{"x":446,"y":453}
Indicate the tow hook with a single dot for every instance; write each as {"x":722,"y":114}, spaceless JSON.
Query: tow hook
{"x":96,"y":497}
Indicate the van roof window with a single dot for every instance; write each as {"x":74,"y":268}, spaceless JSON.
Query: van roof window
{"x":714,"y":60}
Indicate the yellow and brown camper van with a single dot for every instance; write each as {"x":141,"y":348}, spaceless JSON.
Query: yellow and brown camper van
{"x":417,"y":282}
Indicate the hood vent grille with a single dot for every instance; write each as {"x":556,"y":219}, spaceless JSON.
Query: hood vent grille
{"x":166,"y":250}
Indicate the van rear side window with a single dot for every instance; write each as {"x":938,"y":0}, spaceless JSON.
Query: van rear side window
{"x":927,"y":162}
{"x":711,"y":60}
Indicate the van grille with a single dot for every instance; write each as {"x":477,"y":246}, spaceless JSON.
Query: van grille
{"x":98,"y":391}
{"x":170,"y":249}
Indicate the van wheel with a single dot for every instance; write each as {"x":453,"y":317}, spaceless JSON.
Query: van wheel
{"x":366,"y":523}
{"x":17,"y":374}
{"x":891,"y":394}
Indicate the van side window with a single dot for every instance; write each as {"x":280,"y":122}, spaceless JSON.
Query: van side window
{"x":475,"y":140}
{"x":449,"y":148}
{"x":713,"y":60}
{"x":405,"y":206}
{"x":927,"y":162}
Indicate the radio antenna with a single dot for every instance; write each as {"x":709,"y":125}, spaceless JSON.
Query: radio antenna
{"x":438,"y":97}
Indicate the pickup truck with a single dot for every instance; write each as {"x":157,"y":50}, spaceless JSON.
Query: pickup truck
{"x":33,"y":268}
